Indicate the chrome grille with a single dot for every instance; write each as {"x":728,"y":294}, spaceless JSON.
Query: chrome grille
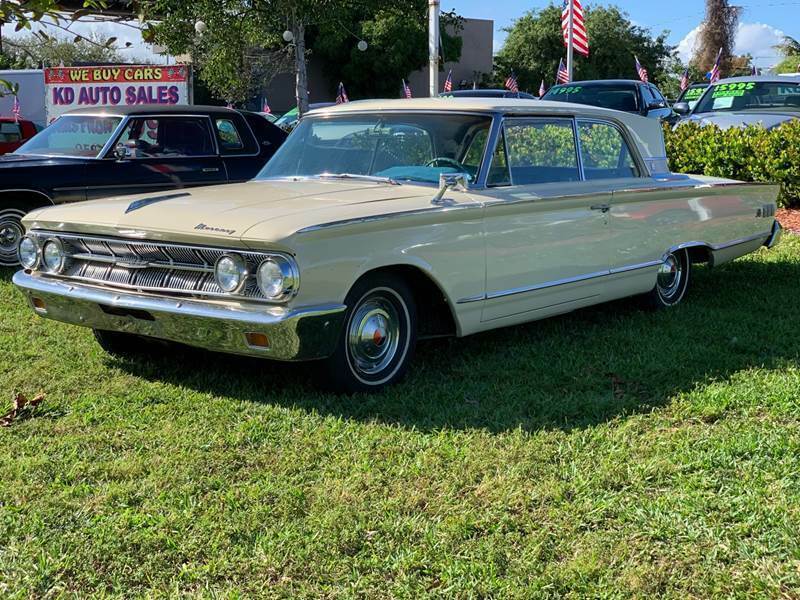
{"x":170,"y":269}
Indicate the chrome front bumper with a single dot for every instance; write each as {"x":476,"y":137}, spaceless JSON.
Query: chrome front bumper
{"x":300,"y":334}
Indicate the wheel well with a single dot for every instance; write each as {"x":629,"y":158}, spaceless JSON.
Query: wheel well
{"x":433,"y":310}
{"x":700,"y":254}
{"x":25,"y":199}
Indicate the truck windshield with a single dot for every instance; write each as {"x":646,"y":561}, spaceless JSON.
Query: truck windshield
{"x":72,"y":135}
{"x":751,"y":95}
{"x":407,"y":147}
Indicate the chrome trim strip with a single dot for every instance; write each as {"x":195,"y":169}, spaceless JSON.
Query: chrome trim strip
{"x":636,"y":267}
{"x":294,"y":334}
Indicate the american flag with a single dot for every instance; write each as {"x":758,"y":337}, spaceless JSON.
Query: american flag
{"x":685,"y":79}
{"x":15,"y":110}
{"x":561,"y":75}
{"x":542,"y":90}
{"x":580,"y":41}
{"x":754,"y":71}
{"x":715,"y":72}
{"x":265,"y":107}
{"x":341,"y":95}
{"x":229,"y":105}
{"x":406,"y":90}
{"x":448,"y":83}
{"x":511,"y":83}
{"x":641,"y":70}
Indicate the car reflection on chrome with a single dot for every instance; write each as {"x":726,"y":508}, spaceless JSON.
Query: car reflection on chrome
{"x":384,"y":222}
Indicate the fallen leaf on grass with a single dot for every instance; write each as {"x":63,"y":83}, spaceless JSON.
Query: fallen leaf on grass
{"x":20,"y":403}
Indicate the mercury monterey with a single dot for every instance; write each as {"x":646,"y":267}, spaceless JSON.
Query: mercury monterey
{"x":379,"y":223}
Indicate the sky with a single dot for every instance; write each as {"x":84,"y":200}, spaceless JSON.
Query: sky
{"x":762,"y":23}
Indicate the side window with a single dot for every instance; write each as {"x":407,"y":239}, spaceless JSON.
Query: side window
{"x":474,"y":154}
{"x":498,"y":171}
{"x":647,"y":96}
{"x":162,"y":137}
{"x":541,"y":151}
{"x":604,"y":152}
{"x":657,"y":95}
{"x":10,"y":132}
{"x":228,"y":135}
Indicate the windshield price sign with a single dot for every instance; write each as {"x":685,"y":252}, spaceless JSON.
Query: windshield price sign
{"x":68,"y":88}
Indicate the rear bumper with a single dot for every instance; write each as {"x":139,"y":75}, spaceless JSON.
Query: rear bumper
{"x":775,"y":235}
{"x":301,"y":334}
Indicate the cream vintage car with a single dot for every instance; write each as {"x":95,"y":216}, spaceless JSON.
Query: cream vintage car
{"x":382,"y":222}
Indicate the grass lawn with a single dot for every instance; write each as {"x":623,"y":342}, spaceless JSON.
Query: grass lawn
{"x":606,"y":453}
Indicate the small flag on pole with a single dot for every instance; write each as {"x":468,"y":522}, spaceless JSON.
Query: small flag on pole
{"x":715,"y":72}
{"x":685,"y":79}
{"x":15,"y":109}
{"x":406,"y":90}
{"x":229,"y":105}
{"x":641,"y":70}
{"x":265,"y":107}
{"x":448,"y":83}
{"x":511,"y":83}
{"x":542,"y":90}
{"x":561,"y":75}
{"x":580,"y":40}
{"x":753,"y":70}
{"x":341,"y":95}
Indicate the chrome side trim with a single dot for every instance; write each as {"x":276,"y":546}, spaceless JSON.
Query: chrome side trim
{"x":293,"y":334}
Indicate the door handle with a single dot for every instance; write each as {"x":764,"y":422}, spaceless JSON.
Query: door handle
{"x":211,"y":170}
{"x":601,"y":207}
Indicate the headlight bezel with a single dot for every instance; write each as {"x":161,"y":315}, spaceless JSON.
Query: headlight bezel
{"x":242,"y":270}
{"x":62,"y":262}
{"x":289,"y":278}
{"x":35,"y":265}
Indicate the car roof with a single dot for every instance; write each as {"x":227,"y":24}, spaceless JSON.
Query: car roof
{"x":149,"y":109}
{"x":762,"y":78}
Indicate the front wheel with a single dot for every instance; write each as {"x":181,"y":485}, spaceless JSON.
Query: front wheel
{"x":378,"y":339}
{"x":672,"y":280}
{"x":11,"y":232}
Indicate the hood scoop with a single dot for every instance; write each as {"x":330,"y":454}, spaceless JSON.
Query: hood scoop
{"x":137,"y":204}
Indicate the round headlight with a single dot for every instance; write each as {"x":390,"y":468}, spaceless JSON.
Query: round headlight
{"x":28,"y":251}
{"x":230,"y":272}
{"x":270,"y":279}
{"x":53,"y":256}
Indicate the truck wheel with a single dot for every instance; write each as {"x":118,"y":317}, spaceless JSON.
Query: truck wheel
{"x":378,"y":338}
{"x":11,"y":231}
{"x":672,"y":280}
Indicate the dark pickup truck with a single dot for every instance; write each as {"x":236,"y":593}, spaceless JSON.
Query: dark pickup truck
{"x":94,"y":153}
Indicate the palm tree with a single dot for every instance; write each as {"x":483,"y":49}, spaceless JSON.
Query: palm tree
{"x":789,"y":46}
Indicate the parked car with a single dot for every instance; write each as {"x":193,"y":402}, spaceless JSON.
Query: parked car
{"x":90,"y":154}
{"x":742,"y":101}
{"x":691,"y":94}
{"x":382,"y":222}
{"x":630,"y":96}
{"x":14,"y":133}
{"x":490,"y":93}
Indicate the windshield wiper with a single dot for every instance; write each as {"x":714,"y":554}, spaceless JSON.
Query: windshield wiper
{"x":374,"y":178}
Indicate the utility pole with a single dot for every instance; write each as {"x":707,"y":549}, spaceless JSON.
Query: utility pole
{"x":433,"y":46}
{"x":570,"y":33}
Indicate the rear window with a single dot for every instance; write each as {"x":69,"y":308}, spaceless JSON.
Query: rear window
{"x":618,"y":97}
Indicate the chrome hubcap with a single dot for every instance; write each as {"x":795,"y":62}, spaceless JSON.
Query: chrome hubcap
{"x":373,"y":335}
{"x":670,"y":275}
{"x":10,"y":235}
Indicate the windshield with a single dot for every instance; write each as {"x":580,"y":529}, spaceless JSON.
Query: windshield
{"x":750,"y":95}
{"x":402,"y":147}
{"x":691,"y":95}
{"x":618,"y":97}
{"x":72,"y":135}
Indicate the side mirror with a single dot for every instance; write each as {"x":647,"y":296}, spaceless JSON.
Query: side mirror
{"x":682,"y":108}
{"x":450,"y":181}
{"x":121,"y":151}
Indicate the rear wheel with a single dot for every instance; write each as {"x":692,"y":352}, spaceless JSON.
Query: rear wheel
{"x":378,"y":338}
{"x":672,"y":280}
{"x":11,"y":231}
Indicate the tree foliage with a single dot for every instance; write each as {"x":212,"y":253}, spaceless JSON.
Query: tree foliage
{"x":534,"y":47}
{"x":717,"y":32}
{"x":33,"y":52}
{"x":790,"y":49}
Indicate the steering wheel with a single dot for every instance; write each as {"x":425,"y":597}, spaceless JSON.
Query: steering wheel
{"x":444,"y":161}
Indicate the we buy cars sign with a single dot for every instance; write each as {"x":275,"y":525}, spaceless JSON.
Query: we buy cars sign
{"x":68,"y":88}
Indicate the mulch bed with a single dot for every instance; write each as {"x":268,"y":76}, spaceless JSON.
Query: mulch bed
{"x":790,"y":219}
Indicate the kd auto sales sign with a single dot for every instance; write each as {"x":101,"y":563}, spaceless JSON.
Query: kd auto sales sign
{"x":68,"y":88}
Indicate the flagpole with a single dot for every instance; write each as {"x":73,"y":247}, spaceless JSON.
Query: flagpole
{"x":569,"y":38}
{"x":433,"y":46}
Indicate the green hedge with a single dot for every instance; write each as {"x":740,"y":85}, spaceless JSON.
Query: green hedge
{"x":749,"y":154}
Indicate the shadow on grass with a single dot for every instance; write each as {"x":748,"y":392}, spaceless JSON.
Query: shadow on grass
{"x":6,"y":273}
{"x":568,"y":372}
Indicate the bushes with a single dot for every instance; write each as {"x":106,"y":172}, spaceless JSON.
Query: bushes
{"x":750,"y":154}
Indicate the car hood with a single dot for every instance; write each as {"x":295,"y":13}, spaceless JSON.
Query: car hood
{"x":257,"y":211}
{"x":15,"y":161}
{"x":727,"y":120}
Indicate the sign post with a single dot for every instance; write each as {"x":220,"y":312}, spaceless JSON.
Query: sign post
{"x":433,"y":46}
{"x":68,"y":88}
{"x":570,"y":34}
